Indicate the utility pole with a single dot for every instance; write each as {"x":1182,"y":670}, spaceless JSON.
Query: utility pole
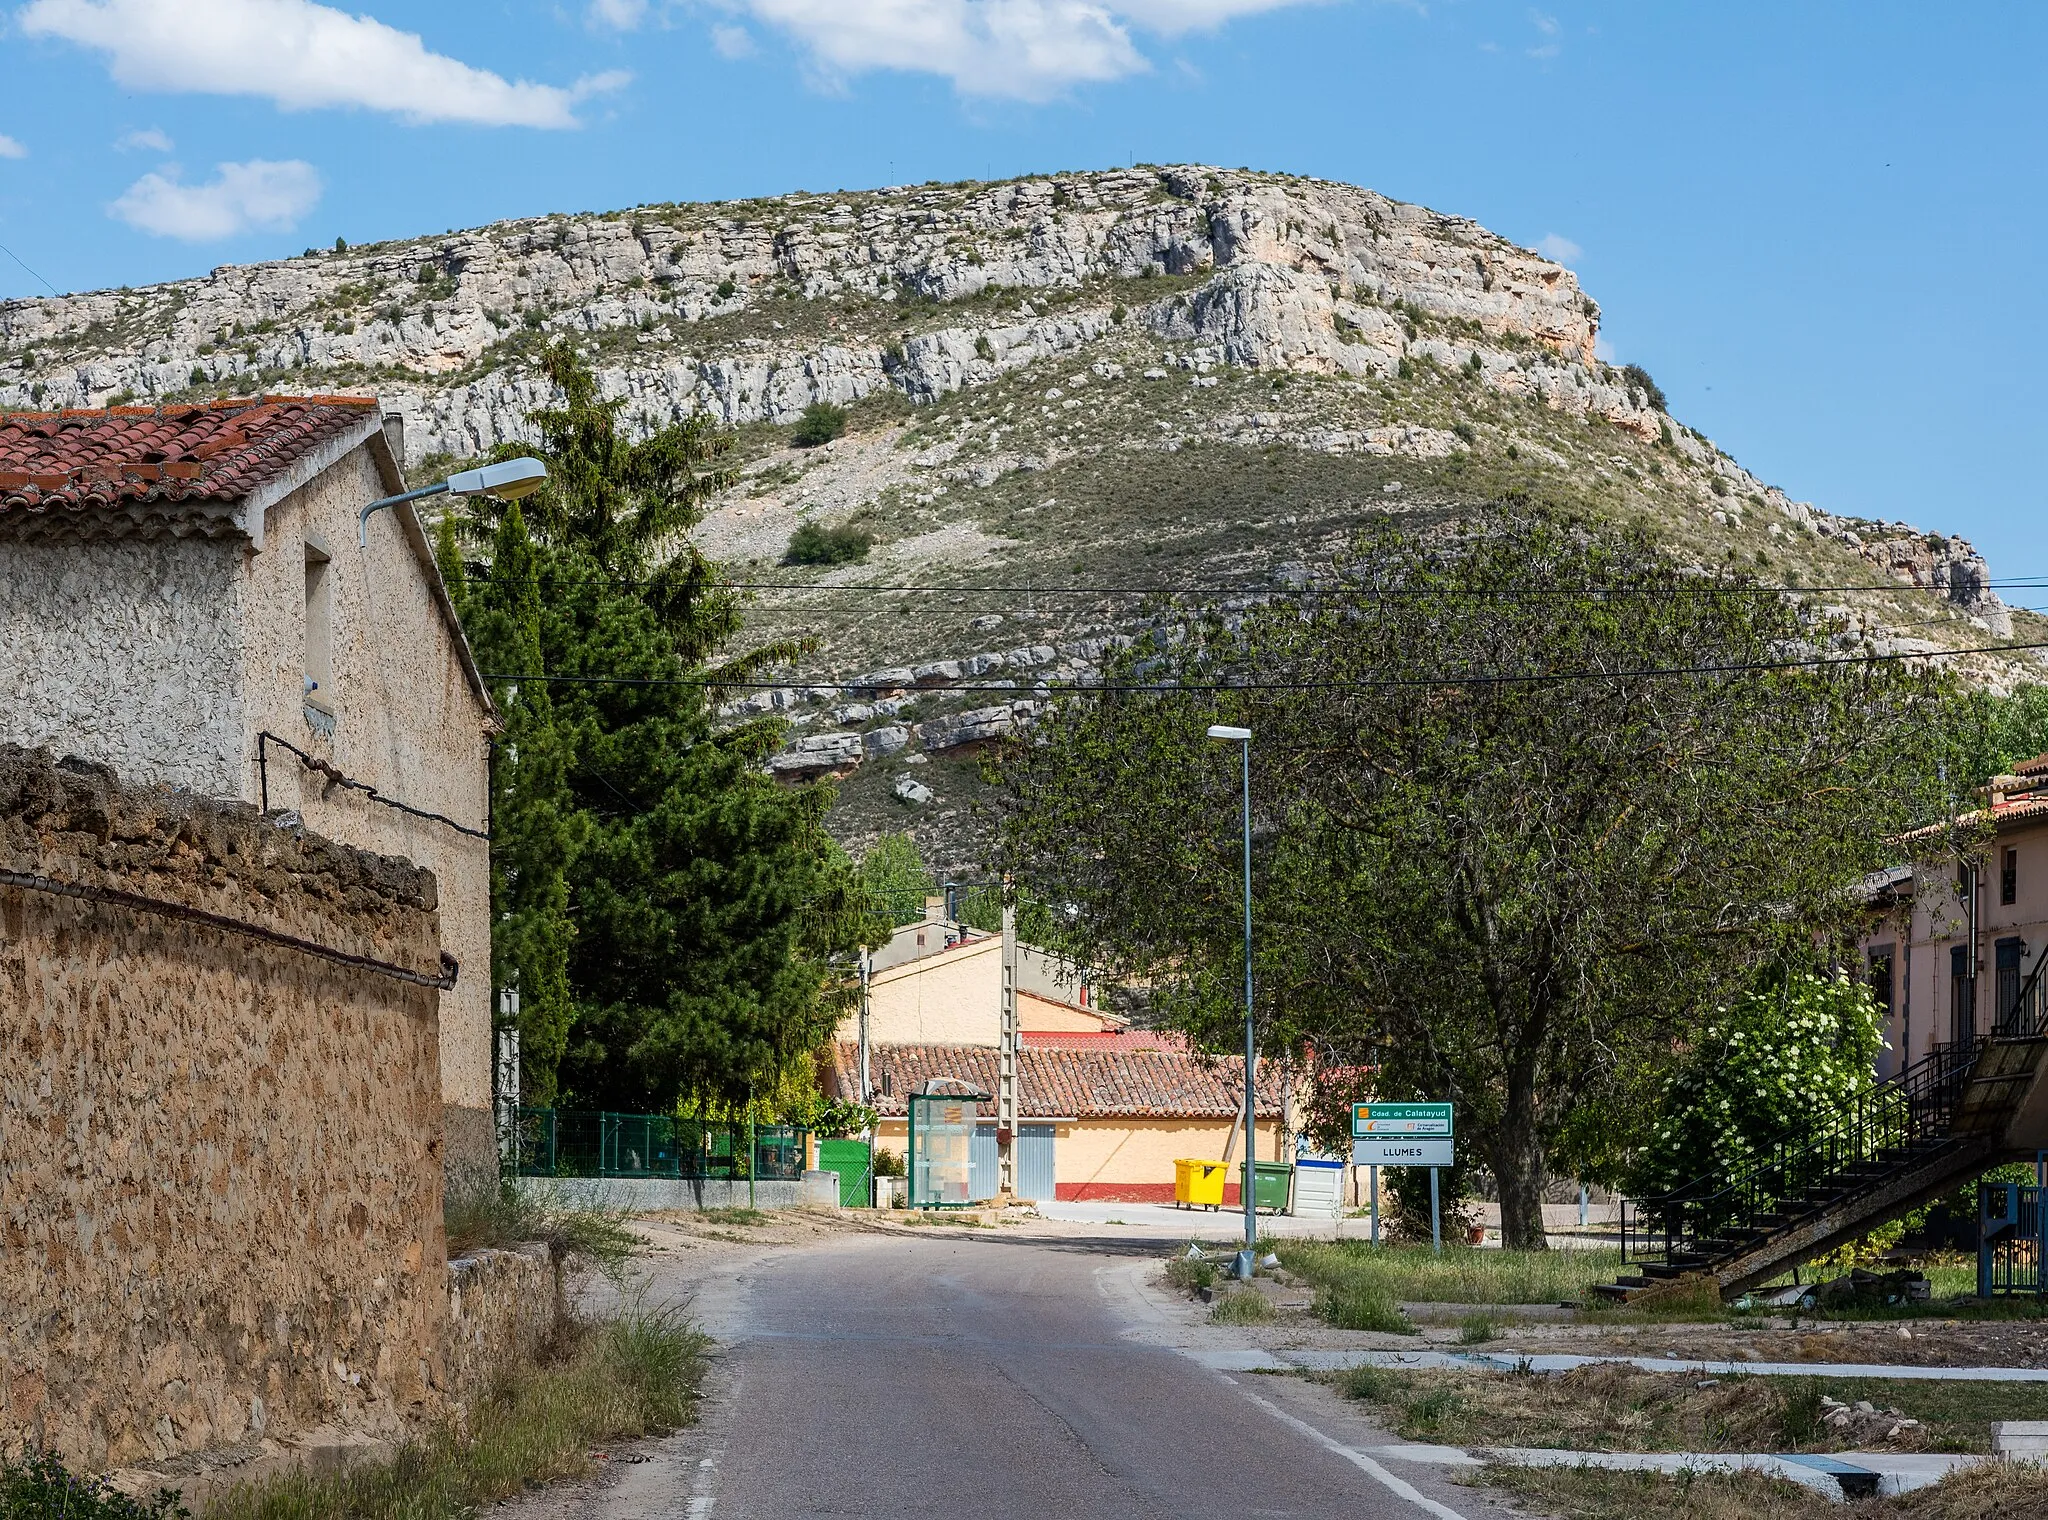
{"x":1006,"y":1060}
{"x":1247,"y":1259}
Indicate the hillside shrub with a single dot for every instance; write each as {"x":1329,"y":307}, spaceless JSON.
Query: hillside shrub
{"x":820,"y":424}
{"x":813,"y":545}
{"x":1638,"y":377}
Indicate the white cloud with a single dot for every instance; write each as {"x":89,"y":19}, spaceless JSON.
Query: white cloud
{"x":9,"y":148}
{"x":257,"y":194}
{"x":301,"y":56}
{"x":626,"y":15}
{"x":1547,"y":25}
{"x":733,"y":41}
{"x":148,"y":139}
{"x":1020,"y":49}
{"x":1557,"y":249}
{"x":1604,"y":351}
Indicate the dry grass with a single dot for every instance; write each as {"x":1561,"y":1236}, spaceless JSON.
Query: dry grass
{"x":1246,"y":1306}
{"x":1994,"y":1492}
{"x":1611,"y":1406}
{"x":632,"y":1376}
{"x":1461,"y":1275}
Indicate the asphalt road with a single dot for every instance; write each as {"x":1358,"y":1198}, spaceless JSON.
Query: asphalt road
{"x":899,"y":1377}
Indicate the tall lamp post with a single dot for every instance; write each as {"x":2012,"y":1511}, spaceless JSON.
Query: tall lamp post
{"x":1247,"y":1259}
{"x":508,"y":481}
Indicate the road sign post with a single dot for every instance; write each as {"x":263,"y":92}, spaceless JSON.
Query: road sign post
{"x":1405,"y":1134}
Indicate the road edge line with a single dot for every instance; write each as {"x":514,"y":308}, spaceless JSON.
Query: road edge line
{"x":1397,"y":1486}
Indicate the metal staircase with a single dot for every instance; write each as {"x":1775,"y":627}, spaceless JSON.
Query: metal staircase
{"x":1891,"y":1148}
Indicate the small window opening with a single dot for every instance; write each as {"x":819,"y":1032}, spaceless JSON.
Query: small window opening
{"x":2009,"y":878}
{"x":319,"y":663}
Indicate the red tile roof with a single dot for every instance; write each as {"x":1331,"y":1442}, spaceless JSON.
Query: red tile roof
{"x":77,"y":465}
{"x":1104,"y":1039}
{"x":1078,"y":1083}
{"x":2038,"y":766}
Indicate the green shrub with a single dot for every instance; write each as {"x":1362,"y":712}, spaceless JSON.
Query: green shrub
{"x":983,"y":349}
{"x":1466,"y":431}
{"x":813,"y":545}
{"x":1117,"y":313}
{"x":727,"y":290}
{"x":888,"y":1163}
{"x":38,"y":1485}
{"x":1474,"y":1329}
{"x":820,"y":424}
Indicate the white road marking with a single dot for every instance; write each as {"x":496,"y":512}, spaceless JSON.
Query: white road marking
{"x":1357,"y":1459}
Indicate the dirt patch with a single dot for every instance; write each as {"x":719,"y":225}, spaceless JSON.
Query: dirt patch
{"x":1615,"y":1407}
{"x":1584,"y":1493}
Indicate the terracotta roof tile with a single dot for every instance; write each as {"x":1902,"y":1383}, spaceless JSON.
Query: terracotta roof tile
{"x":82,"y":463}
{"x":1082,"y":1082}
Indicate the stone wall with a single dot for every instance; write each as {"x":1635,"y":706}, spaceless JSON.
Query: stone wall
{"x":220,"y":1180}
{"x":503,"y":1306}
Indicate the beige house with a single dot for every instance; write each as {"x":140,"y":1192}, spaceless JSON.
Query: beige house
{"x":1101,"y":1116}
{"x":182,"y":596}
{"x":942,"y":983}
{"x":1951,"y":945}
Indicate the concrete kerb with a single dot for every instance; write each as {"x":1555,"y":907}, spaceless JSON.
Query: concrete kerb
{"x":1254,"y":1360}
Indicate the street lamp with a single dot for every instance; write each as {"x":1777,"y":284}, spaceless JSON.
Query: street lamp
{"x":1247,"y":1257}
{"x":508,"y":481}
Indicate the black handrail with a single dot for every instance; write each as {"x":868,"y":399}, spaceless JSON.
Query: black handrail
{"x":1714,"y":1214}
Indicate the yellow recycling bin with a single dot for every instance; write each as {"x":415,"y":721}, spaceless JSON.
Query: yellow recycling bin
{"x":1198,"y":1184}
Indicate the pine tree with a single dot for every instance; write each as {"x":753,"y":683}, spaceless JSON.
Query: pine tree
{"x":532,"y":827}
{"x":707,"y":900}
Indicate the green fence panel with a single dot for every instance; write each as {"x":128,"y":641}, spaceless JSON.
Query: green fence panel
{"x":854,"y":1163}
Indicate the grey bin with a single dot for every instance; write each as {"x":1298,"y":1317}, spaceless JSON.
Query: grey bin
{"x":1318,"y":1188}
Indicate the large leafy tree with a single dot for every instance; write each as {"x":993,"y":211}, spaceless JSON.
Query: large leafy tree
{"x":1530,"y":799}
{"x":692,"y":904}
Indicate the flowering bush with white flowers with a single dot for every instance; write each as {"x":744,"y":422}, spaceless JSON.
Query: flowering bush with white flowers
{"x":1764,"y":1070}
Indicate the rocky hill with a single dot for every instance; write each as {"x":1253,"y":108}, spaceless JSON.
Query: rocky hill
{"x":1185,"y":378}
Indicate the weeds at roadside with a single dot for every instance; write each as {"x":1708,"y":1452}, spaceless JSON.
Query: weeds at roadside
{"x":1612,"y":1406}
{"x":38,"y":1485}
{"x":1362,"y":1306}
{"x":519,"y":1214}
{"x":1988,"y":1492}
{"x":1460,"y":1275}
{"x":1475,"y":1329}
{"x":735,"y":1216}
{"x":1191,"y":1274}
{"x":636,"y":1375}
{"x":1247,"y":1306}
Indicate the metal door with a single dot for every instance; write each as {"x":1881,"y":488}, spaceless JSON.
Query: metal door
{"x":1034,"y":1163}
{"x":987,"y":1178}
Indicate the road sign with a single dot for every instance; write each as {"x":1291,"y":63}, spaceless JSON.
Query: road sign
{"x":1372,"y":1120}
{"x":1392,"y":1152}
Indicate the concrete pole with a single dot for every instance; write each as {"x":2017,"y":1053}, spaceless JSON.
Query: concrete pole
{"x":1006,"y":1060}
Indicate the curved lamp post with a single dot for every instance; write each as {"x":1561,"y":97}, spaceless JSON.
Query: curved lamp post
{"x":507,"y":482}
{"x":1248,"y":1257}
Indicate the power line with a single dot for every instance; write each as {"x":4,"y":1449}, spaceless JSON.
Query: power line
{"x":1701,"y":588}
{"x":17,"y":259}
{"x":1511,"y":679}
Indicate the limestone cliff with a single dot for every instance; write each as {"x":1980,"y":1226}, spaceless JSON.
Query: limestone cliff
{"x":1187,"y":377}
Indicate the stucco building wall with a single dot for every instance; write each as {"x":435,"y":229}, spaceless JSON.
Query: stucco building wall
{"x":126,"y":651}
{"x":220,"y":1179}
{"x":1133,"y":1158}
{"x":405,"y":720}
{"x":955,"y":997}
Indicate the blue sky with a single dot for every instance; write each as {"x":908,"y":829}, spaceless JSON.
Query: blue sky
{"x":1818,"y":225}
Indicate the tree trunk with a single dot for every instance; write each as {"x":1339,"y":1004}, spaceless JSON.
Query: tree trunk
{"x":1518,"y":1167}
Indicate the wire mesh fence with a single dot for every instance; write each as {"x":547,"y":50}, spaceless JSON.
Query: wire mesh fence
{"x":588,"y":1143}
